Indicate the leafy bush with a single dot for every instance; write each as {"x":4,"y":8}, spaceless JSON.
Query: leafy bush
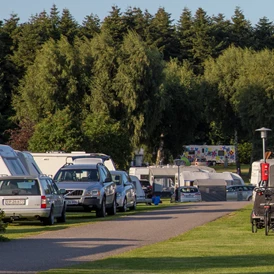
{"x":245,"y":150}
{"x":2,"y":227}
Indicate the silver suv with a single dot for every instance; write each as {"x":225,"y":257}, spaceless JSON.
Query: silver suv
{"x":32,"y":198}
{"x":88,"y":186}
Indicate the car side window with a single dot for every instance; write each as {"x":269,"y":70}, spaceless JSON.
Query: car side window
{"x":107,"y":175}
{"x":231,"y":189}
{"x":46,"y":186}
{"x":52,"y":186}
{"x":102,"y":173}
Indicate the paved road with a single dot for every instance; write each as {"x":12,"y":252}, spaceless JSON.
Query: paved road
{"x":95,"y":241}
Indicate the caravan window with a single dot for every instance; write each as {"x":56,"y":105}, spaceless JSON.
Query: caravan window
{"x":13,"y":164}
{"x":221,"y":153}
{"x":191,"y":152}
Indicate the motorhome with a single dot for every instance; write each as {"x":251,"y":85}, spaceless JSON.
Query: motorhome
{"x":10,"y":163}
{"x":213,"y":154}
{"x":51,"y":162}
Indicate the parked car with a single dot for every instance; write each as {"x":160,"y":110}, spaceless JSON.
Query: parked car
{"x":32,"y":198}
{"x":126,"y":192}
{"x":239,"y":192}
{"x":187,"y":194}
{"x":88,"y":187}
{"x":200,"y":162}
{"x":147,"y":187}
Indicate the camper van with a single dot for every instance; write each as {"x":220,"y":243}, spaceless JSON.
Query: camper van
{"x":10,"y":163}
{"x":51,"y":162}
{"x":213,"y":154}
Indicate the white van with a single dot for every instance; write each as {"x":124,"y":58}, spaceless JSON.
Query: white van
{"x":51,"y":162}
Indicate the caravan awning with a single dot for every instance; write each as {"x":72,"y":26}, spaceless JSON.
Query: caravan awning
{"x":163,"y":171}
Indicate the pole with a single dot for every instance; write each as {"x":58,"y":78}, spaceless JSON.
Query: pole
{"x":264,"y":149}
{"x":178,"y":175}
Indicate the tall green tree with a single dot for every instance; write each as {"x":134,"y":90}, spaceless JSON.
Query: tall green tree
{"x":241,"y":30}
{"x":221,"y":31}
{"x":183,"y":103}
{"x":68,"y":26}
{"x":114,"y":25}
{"x":238,"y":92}
{"x":263,"y":35}
{"x":90,"y":26}
{"x":185,"y":35}
{"x":135,"y":20}
{"x":104,"y":134}
{"x":51,"y":84}
{"x":58,"y":131}
{"x":9,"y":75}
{"x":162,"y":34}
{"x":138,"y":88}
{"x":101,"y":128}
{"x":203,"y":42}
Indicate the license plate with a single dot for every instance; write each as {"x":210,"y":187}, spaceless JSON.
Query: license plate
{"x":15,"y":202}
{"x":72,"y":202}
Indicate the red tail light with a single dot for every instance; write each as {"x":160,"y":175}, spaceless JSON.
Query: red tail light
{"x":43,"y":202}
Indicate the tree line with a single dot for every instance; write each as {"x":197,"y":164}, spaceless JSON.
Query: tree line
{"x":136,"y":80}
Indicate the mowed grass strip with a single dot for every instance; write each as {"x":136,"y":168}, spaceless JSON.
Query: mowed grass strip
{"x":23,"y":229}
{"x":226,"y":245}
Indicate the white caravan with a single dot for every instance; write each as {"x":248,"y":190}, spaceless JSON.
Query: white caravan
{"x":189,"y":177}
{"x":51,"y":162}
{"x":29,"y":163}
{"x":10,"y":163}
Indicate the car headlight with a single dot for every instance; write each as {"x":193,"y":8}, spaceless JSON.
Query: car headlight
{"x":119,"y":194}
{"x":93,"y":192}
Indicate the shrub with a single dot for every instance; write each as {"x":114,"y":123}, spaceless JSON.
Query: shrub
{"x":2,"y":227}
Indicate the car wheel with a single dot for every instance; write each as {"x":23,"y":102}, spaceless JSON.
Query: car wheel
{"x":62,"y":218}
{"x":113,"y":209}
{"x":134,"y":205}
{"x":124,"y":207}
{"x":50,"y":219}
{"x":101,"y":212}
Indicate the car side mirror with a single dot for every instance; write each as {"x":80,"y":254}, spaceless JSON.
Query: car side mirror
{"x":108,"y":180}
{"x":62,"y":191}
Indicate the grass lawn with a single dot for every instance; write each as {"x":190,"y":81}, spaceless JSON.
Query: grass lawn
{"x":226,"y":245}
{"x":25,"y":228}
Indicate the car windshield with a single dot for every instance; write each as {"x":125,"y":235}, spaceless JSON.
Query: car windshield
{"x":117,"y":179}
{"x":145,"y":183}
{"x":19,"y":187}
{"x":189,"y":189}
{"x":77,"y":175}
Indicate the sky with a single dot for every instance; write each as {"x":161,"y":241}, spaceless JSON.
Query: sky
{"x":253,"y":10}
